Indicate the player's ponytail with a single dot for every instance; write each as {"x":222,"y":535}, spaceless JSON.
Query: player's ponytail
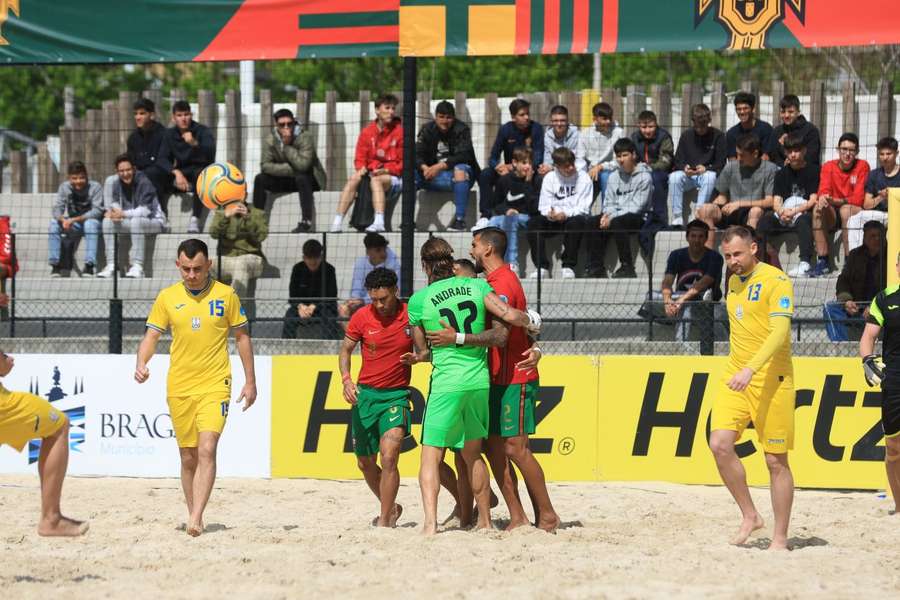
{"x":437,"y":254}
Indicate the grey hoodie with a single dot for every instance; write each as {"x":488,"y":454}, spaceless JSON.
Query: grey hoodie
{"x":628,"y":193}
{"x":142,"y":203}
{"x":70,"y":203}
{"x":598,"y":146}
{"x":572,"y":141}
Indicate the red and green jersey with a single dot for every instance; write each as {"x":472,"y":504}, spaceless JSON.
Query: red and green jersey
{"x":502,"y":360}
{"x":383,"y":341}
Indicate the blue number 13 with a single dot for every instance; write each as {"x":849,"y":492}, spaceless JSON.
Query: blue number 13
{"x":217,"y":308}
{"x":752,"y":292}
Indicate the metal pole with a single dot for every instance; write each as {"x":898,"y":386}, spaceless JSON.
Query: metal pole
{"x":408,"y":225}
{"x":115,"y":326}
{"x":598,"y":74}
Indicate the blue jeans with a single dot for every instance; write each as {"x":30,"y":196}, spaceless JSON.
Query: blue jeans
{"x":511,"y":226}
{"x":600,"y":184}
{"x":836,"y":320}
{"x":90,"y":228}
{"x":443,"y":182}
{"x":679,"y":183}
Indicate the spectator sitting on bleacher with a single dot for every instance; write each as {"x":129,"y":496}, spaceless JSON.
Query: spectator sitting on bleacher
{"x":562,"y":133}
{"x":377,"y":255}
{"x":655,"y":147}
{"x":515,"y":199}
{"x":564,"y":207}
{"x":76,"y":213}
{"x":520,"y":131}
{"x":150,"y":152}
{"x":625,"y":204}
{"x":597,"y":142}
{"x":313,"y":301}
{"x":842,"y":190}
{"x":193,"y":149}
{"x":130,"y":207}
{"x":445,"y":160}
{"x":289,"y":163}
{"x":794,"y":122}
{"x":379,"y":154}
{"x":240,"y":231}
{"x":745,"y":189}
{"x":863,"y":276}
{"x":748,"y":122}
{"x":887,"y":175}
{"x":795,"y":197}
{"x":692,"y":274}
{"x":699,"y":158}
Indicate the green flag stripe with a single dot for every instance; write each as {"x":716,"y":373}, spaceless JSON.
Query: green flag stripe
{"x":349,"y":50}
{"x":595,"y":26}
{"x":566,"y":24}
{"x":354,"y":19}
{"x":537,"y":26}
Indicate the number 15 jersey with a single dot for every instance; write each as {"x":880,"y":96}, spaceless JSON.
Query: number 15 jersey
{"x":199,"y":362}
{"x":459,"y":302}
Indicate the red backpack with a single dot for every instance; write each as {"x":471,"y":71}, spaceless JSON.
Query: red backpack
{"x":6,"y":257}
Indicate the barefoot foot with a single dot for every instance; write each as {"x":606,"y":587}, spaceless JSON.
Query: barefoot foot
{"x":194,"y":529}
{"x":748,"y":526}
{"x":429,"y":529}
{"x":549,"y":523}
{"x":62,"y":527}
{"x":779,"y":544}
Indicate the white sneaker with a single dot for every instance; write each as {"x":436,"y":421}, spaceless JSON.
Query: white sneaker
{"x":544,"y":274}
{"x":481,"y":223}
{"x":801,"y":270}
{"x":567,"y":273}
{"x":375,"y":227}
{"x":337,"y":224}
{"x":107,"y":271}
{"x":193,"y":226}
{"x":135,"y":272}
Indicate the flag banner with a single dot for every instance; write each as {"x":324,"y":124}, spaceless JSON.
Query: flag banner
{"x":98,"y":31}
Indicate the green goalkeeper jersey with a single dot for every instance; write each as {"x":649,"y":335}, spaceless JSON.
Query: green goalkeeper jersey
{"x":459,"y":302}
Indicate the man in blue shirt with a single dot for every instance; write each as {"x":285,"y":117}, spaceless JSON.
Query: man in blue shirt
{"x":377,"y":255}
{"x":520,"y":131}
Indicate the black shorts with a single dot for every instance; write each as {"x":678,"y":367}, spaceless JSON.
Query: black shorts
{"x":737,"y":217}
{"x":890,"y":405}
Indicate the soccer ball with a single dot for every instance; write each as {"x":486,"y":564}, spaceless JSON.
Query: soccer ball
{"x":220,"y":184}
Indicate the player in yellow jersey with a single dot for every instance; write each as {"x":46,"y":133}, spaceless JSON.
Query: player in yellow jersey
{"x":24,"y":417}
{"x":200,"y":312}
{"x":758,"y":384}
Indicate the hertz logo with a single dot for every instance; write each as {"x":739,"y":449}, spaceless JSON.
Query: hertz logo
{"x":6,"y":7}
{"x":749,"y":21}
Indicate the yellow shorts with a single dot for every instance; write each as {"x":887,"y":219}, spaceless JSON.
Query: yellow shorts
{"x":769,"y":406}
{"x":193,"y":414}
{"x":25,"y":417}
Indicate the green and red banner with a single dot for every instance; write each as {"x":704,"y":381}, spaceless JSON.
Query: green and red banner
{"x":103,"y":31}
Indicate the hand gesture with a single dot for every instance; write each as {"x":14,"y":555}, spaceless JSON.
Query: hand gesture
{"x":350,"y":391}
{"x":409,"y":359}
{"x":441,"y":337}
{"x":672,"y":308}
{"x":851,"y":307}
{"x":141,"y":373}
{"x":248,"y":395}
{"x":188,"y":137}
{"x":740,"y":380}
{"x":532,"y":357}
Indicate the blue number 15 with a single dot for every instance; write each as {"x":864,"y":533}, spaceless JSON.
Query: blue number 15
{"x":752,"y":292}
{"x":217,"y":308}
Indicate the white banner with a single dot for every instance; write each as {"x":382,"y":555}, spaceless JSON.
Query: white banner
{"x":121,"y":428}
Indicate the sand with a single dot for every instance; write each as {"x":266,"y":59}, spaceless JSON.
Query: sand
{"x":312,"y":538}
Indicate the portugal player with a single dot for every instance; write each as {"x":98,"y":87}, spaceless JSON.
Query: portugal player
{"x":200,"y":311}
{"x":884,"y":314}
{"x":456,"y":414}
{"x":380,"y":398}
{"x":24,"y":417}
{"x":758,"y":384}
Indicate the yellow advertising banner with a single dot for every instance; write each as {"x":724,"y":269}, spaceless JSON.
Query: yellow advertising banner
{"x":607,"y":418}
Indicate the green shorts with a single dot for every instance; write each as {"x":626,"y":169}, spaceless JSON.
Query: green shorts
{"x":453,"y":418}
{"x":375,"y":412}
{"x":512,"y":409}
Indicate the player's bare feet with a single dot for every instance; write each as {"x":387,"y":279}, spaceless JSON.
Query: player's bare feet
{"x":549,"y":523}
{"x":514,"y":523}
{"x":779,"y":543}
{"x":391,"y":520}
{"x":748,"y":526}
{"x":429,"y":529}
{"x":62,"y":527}
{"x":194,"y":529}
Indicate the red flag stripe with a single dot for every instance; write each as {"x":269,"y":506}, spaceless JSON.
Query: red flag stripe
{"x":551,"y":26}
{"x":582,"y":11}
{"x":610,"y":26}
{"x":523,"y":26}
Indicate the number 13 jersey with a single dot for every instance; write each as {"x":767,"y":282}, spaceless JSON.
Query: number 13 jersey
{"x":459,"y":302}
{"x":199,"y":362}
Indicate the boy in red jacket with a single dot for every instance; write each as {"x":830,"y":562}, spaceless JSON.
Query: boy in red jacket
{"x":379,"y":154}
{"x":842,"y":189}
